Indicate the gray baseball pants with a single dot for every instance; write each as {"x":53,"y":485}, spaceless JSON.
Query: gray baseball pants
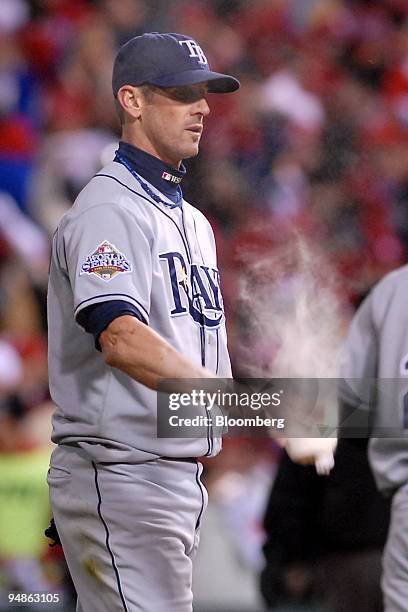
{"x":129,"y":531}
{"x":395,"y":558}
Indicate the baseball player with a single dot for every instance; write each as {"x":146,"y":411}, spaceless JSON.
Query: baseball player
{"x":377,"y":350}
{"x":134,"y":297}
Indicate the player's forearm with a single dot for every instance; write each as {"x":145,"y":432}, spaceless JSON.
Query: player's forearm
{"x":137,"y":350}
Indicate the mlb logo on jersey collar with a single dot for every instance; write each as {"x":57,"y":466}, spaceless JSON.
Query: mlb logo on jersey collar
{"x":146,"y":188}
{"x":171,"y":178}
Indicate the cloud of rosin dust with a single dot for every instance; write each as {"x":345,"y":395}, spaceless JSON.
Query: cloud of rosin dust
{"x":291,"y":300}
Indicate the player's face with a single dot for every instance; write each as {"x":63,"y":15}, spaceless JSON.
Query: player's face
{"x":172,"y":121}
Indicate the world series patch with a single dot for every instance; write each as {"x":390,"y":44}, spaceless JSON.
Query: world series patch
{"x":106,"y":262}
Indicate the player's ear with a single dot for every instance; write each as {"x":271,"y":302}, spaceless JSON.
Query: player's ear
{"x":131,"y":100}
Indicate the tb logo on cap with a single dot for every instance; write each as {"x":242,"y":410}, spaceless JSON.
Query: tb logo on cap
{"x":195,"y":50}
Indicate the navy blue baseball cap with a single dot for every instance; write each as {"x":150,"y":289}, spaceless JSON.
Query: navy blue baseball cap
{"x":166,"y":60}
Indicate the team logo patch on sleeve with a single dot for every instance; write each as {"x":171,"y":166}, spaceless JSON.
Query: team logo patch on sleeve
{"x":106,"y":262}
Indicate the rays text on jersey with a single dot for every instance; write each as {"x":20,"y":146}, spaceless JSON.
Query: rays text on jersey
{"x":195,"y":290}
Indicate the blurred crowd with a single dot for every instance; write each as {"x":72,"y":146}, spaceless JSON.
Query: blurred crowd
{"x":314,"y":143}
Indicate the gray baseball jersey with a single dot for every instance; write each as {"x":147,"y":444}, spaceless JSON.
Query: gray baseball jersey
{"x":377,"y":348}
{"x":117,"y":243}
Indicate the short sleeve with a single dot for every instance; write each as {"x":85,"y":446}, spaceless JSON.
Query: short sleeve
{"x":107,"y":253}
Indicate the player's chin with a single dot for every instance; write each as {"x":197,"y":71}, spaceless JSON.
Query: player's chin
{"x":190,"y":150}
{"x":190,"y":142}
